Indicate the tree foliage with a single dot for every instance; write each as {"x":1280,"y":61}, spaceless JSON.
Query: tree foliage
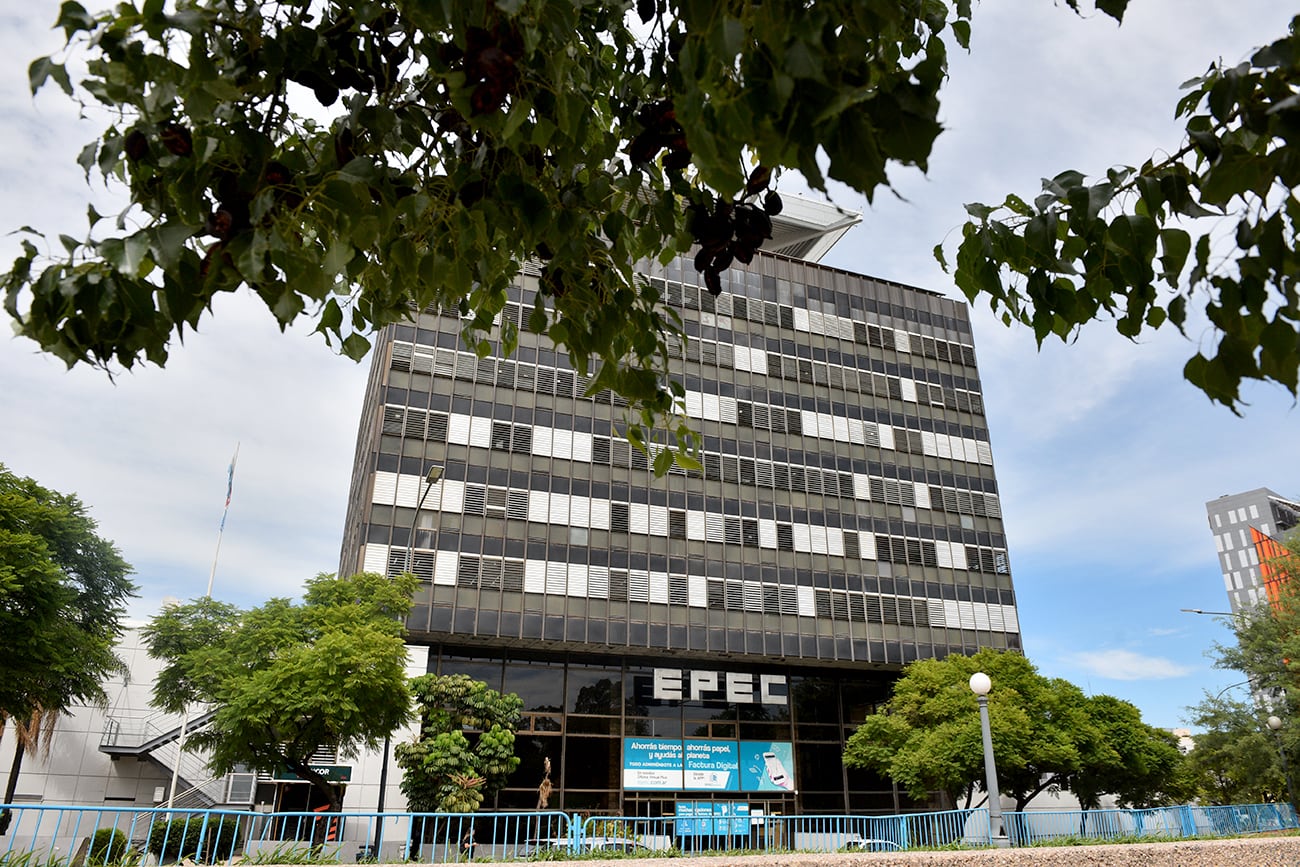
{"x":1047,"y":735}
{"x":287,"y":679}
{"x":1236,"y":755}
{"x":62,"y":593}
{"x":1213,"y":223}
{"x":465,"y":748}
{"x":351,"y":162}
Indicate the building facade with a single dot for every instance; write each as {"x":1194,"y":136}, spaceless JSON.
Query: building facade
{"x":1247,"y":528}
{"x":699,"y":637}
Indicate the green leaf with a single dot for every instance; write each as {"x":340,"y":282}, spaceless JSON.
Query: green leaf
{"x":355,"y":347}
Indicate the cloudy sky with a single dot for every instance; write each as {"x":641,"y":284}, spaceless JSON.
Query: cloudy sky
{"x":1104,"y":455}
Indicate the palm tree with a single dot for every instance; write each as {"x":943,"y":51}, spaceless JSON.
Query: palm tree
{"x":36,"y":734}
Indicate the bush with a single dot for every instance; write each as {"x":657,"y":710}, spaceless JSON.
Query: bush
{"x":108,"y":846}
{"x":179,"y":838}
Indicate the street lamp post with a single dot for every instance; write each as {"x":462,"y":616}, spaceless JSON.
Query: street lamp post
{"x":980,"y":685}
{"x":431,"y":478}
{"x":1275,"y":723}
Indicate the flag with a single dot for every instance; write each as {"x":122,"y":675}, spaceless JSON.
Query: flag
{"x":230,"y":486}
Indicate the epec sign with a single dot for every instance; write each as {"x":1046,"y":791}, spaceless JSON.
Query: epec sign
{"x":675,"y":684}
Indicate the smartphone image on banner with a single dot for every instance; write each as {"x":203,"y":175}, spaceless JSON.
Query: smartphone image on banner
{"x":776,"y":771}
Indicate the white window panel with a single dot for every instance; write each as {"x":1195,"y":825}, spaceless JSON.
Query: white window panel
{"x":943,"y":555}
{"x":697,"y":526}
{"x":802,"y":538}
{"x":1263,"y":528}
{"x":658,"y":520}
{"x":938,"y":615}
{"x":727,"y":410}
{"x":1241,"y":533}
{"x":1227,"y":580}
{"x":807,"y":602}
{"x":825,"y":426}
{"x":562,"y":444}
{"x":597,"y":582}
{"x":816,"y":322}
{"x":921,"y":495}
{"x":384,"y":491}
{"x":582,"y":446}
{"x":480,"y":432}
{"x":981,"y":615}
{"x":535,"y":576}
{"x":577,"y":579}
{"x":374,"y":558}
{"x":697,"y":591}
{"x":408,"y":490}
{"x":542,"y":441}
{"x":964,"y":450}
{"x":458,"y":429}
{"x":1252,"y":556}
{"x":993,"y":613}
{"x":657,"y":582}
{"x":886,"y":434}
{"x":1012,"y":623}
{"x":984,"y":453}
{"x":1218,"y":520}
{"x":449,"y":496}
{"x":579,"y":511}
{"x":861,"y":486}
{"x":559,"y":510}
{"x":817,"y":540}
{"x":694,"y":404}
{"x":808,"y":422}
{"x":942,"y":447}
{"x":800,"y":319}
{"x":930,"y":444}
{"x":835,"y":541}
{"x":841,"y":429}
{"x":599,"y":515}
{"x":1227,"y":542}
{"x":857,"y":435}
{"x":1218,"y":543}
{"x":867,"y":546}
{"x":714,"y":528}
{"x":638,"y":518}
{"x":908,"y":388}
{"x":638,"y":585}
{"x":539,"y":506}
{"x":951,"y":614}
{"x":710,"y":408}
{"x":708,"y":319}
{"x":767,"y":533}
{"x":752,"y":594}
{"x":846,"y":329}
{"x":445,"y":564}
{"x":1241,"y":513}
{"x":557,"y":579}
{"x":1232,"y":516}
{"x":1254,"y":511}
{"x":902,"y":341}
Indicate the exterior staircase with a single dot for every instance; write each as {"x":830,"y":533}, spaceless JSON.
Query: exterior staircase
{"x":156,"y":738}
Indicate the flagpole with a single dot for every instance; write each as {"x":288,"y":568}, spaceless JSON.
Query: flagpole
{"x":185,"y":717}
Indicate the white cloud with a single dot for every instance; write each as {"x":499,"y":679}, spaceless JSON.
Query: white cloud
{"x":1127,"y":665}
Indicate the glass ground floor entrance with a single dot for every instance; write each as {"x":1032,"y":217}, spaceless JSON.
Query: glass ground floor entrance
{"x":635,"y":736}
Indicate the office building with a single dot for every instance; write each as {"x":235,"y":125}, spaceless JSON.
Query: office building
{"x":1247,"y":528}
{"x":700,"y":637}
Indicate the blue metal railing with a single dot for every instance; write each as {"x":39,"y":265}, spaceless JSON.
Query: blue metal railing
{"x":58,"y":836}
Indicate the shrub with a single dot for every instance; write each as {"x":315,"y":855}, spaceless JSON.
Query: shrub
{"x":108,"y":846}
{"x":179,"y":838}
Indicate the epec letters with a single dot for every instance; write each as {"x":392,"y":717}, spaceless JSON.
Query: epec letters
{"x":675,"y":684}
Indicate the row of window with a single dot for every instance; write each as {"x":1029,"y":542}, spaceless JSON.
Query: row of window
{"x":594,"y":513}
{"x":868,"y":299}
{"x":453,"y":568}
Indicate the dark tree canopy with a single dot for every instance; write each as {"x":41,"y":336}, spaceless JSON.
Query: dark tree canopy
{"x":1047,"y":735}
{"x":287,"y":679}
{"x":63,"y":589}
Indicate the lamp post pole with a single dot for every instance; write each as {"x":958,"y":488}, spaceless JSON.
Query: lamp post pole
{"x":1275,"y":723}
{"x":431,"y":478}
{"x":980,"y":684}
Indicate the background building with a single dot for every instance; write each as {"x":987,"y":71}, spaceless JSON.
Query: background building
{"x":846,"y":522}
{"x":1246,"y":529}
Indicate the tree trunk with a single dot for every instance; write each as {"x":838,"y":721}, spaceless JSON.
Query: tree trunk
{"x":11,"y":786}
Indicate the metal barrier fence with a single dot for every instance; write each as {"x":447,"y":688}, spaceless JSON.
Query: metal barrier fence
{"x":43,"y":835}
{"x":1039,"y":826}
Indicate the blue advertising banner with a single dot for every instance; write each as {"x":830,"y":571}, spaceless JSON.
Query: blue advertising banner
{"x":711,"y":765}
{"x":766,"y":766}
{"x":708,"y":765}
{"x":716,"y":818}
